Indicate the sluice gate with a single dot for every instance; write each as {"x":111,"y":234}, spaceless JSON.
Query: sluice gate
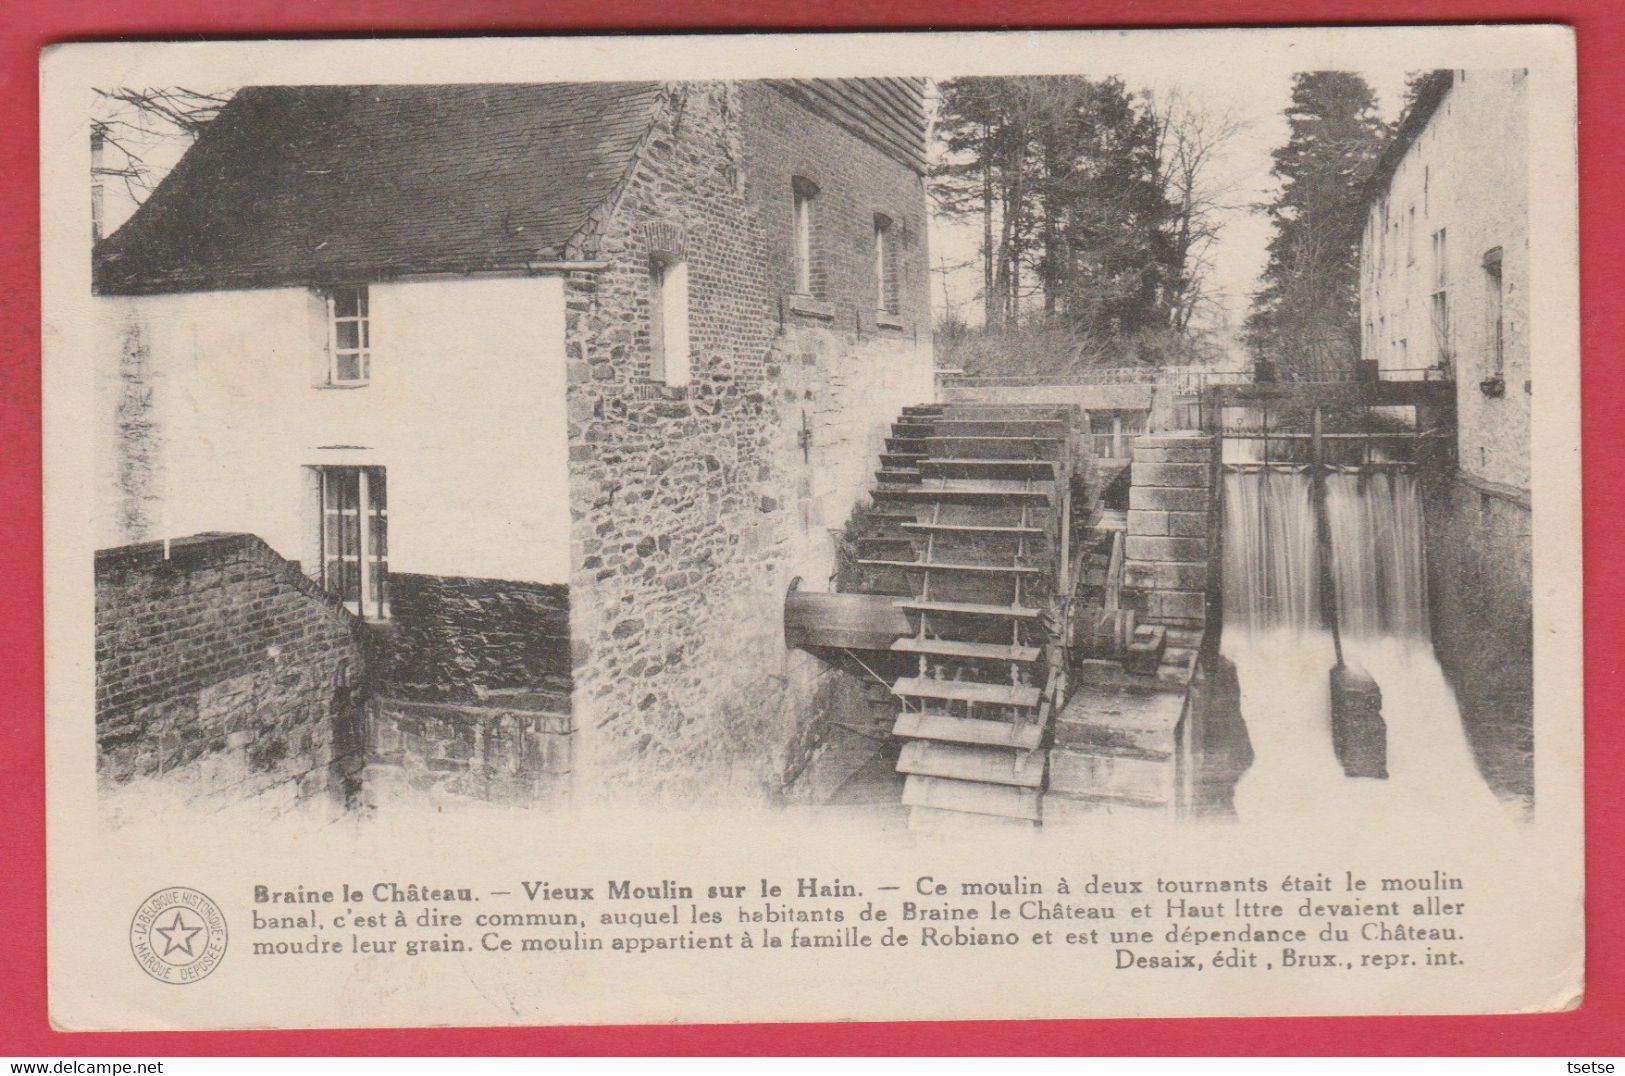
{"x":1322,"y":594}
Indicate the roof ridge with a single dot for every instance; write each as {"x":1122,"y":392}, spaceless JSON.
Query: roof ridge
{"x":312,"y":184}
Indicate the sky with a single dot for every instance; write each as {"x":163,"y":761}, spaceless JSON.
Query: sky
{"x":1256,"y":97}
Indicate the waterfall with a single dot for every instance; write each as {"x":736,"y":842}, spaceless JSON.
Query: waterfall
{"x":1376,"y":531}
{"x":1271,"y":564}
{"x":1274,"y":632}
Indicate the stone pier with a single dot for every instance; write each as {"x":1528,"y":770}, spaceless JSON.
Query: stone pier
{"x":1166,"y":546}
{"x":1118,"y":740}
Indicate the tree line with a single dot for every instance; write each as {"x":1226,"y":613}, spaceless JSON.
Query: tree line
{"x":1096,"y":204}
{"x":1099,"y":208}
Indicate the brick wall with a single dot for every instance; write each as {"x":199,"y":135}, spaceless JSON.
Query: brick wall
{"x":452,"y":638}
{"x":224,"y":672}
{"x":780,"y":141}
{"x":692,"y":510}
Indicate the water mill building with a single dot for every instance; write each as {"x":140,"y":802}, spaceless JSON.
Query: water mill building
{"x":488,"y":426}
{"x":546,"y":443}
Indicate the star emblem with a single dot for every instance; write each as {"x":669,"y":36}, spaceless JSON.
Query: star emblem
{"x":176,"y":927}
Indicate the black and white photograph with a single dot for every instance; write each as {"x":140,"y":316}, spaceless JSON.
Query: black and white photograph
{"x":1118,"y":449}
{"x":1016,"y":534}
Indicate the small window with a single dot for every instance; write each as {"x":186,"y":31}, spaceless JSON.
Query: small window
{"x":355,"y":538}
{"x":668,"y":322}
{"x":885,"y":264}
{"x":803,"y":194}
{"x":1441,"y":261}
{"x":1441,"y":302}
{"x":1495,"y":310}
{"x":349,"y":337}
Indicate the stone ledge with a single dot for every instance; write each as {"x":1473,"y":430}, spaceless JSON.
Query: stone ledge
{"x":1182,"y":452}
{"x":548,"y":721}
{"x":1156,"y":547}
{"x":1165,"y":574}
{"x":807,"y":306}
{"x":1140,"y":724}
{"x":1084,"y":773}
{"x":1176,"y":475}
{"x":1168,"y":498}
{"x":885,"y":319}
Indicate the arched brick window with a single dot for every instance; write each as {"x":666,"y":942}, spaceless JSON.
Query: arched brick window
{"x":886,"y":288}
{"x":669,"y":358}
{"x":803,"y":201}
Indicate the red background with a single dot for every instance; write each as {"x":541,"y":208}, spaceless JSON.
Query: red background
{"x":1596,"y":1028}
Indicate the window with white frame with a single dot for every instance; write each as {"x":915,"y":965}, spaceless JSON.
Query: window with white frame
{"x":349,"y":336}
{"x":804,"y":193}
{"x":354,"y":506}
{"x":669,"y":359}
{"x":1441,"y":301}
{"x":885,"y":264}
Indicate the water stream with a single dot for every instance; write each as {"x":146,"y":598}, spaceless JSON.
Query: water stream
{"x":1275,"y":634}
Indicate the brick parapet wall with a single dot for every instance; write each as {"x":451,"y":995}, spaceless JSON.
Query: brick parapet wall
{"x":471,"y":695}
{"x":462,"y":639}
{"x":693,"y":509}
{"x":222,"y":670}
{"x":1167,"y":544}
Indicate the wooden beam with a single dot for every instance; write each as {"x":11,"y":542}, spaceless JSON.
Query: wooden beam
{"x":852,"y":621}
{"x":1309,"y":394}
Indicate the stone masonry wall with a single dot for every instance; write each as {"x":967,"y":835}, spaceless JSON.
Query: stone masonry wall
{"x":224,"y":673}
{"x":1167,"y":543}
{"x":694,"y":508}
{"x":471,"y":692}
{"x":1478,"y":558}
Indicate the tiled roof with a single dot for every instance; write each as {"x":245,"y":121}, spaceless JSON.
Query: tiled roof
{"x":314,"y":184}
{"x":1430,"y":93}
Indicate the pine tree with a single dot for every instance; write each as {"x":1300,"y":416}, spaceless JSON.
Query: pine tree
{"x":1305,"y":319}
{"x":1063,"y":173}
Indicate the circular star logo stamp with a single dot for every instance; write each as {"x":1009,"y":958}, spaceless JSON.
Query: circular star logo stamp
{"x":178,"y":935}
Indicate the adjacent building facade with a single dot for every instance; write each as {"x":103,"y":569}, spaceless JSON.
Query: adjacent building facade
{"x":1444,"y":293}
{"x":552,"y":389}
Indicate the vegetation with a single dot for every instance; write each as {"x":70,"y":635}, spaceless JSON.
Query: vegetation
{"x":1305,"y":318}
{"x":1097,"y":209}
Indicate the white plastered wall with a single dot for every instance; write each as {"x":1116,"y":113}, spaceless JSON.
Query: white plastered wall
{"x":465,"y":410}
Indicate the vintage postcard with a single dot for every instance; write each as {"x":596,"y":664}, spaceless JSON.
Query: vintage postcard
{"x":777,"y":528}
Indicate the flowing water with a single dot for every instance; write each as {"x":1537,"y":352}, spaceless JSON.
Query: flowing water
{"x":1275,"y":634}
